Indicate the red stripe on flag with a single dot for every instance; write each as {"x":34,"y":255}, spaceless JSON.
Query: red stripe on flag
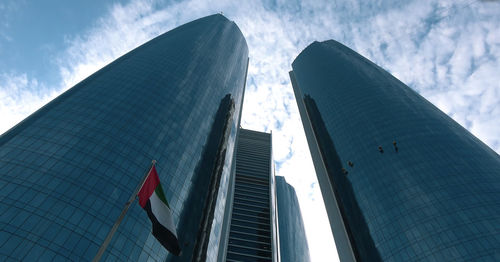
{"x":149,"y":187}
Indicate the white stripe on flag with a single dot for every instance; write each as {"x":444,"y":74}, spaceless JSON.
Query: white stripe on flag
{"x":162,"y":213}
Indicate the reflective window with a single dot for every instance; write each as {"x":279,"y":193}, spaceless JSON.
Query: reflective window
{"x":431,"y":195}
{"x":67,"y":170}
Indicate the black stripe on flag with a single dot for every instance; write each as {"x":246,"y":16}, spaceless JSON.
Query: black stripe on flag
{"x":166,"y":238}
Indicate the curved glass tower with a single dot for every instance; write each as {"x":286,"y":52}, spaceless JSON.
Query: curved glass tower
{"x":401,"y":180}
{"x":293,"y":241}
{"x":67,"y":170}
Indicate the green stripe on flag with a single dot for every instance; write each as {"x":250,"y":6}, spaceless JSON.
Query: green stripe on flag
{"x":161,"y":195}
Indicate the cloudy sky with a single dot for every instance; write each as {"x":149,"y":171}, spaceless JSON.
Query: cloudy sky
{"x":447,"y":50}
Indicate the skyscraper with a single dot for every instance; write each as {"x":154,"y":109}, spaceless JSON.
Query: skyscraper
{"x":401,"y":180}
{"x":252,"y":230}
{"x":67,"y":170}
{"x":293,"y":241}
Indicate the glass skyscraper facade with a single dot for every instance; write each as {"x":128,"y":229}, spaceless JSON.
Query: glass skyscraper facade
{"x":67,"y":170}
{"x":401,"y":180}
{"x":293,"y":241}
{"x":252,"y":234}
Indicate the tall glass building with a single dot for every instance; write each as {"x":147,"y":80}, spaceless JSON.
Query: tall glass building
{"x":67,"y":170}
{"x":293,"y":241}
{"x":251,"y":233}
{"x":401,"y":180}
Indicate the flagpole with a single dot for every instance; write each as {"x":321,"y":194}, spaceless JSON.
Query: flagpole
{"x":106,"y":242}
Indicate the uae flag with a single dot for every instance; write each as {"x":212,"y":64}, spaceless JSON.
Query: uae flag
{"x":152,"y":199}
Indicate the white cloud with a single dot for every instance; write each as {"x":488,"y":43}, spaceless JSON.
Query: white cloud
{"x":125,"y":28}
{"x":19,"y":97}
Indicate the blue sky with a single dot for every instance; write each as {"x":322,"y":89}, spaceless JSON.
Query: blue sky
{"x":448,"y":51}
{"x":33,"y":32}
